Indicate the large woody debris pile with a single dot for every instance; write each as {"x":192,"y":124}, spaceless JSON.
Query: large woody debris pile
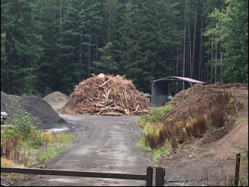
{"x":106,"y":95}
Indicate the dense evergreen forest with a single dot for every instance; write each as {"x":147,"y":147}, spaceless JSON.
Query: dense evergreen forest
{"x":50,"y":45}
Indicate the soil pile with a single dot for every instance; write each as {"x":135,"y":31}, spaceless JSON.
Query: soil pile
{"x":106,"y":95}
{"x":55,"y":97}
{"x":199,"y":95}
{"x":229,"y":86}
{"x":37,"y":107}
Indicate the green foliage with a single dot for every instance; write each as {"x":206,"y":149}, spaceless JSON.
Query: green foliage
{"x":10,"y":132}
{"x":243,"y":151}
{"x":230,"y":102}
{"x":159,"y":153}
{"x":157,"y":115}
{"x":54,"y":147}
{"x":79,"y":28}
{"x":18,"y":148}
{"x":106,"y":62}
{"x":210,"y":127}
{"x":23,"y":121}
{"x":231,"y":28}
{"x":240,"y":120}
{"x":142,"y":145}
{"x":21,"y":48}
{"x":35,"y":139}
{"x":53,"y":45}
{"x":156,"y":153}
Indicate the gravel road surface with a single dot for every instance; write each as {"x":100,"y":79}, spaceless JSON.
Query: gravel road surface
{"x":101,"y":144}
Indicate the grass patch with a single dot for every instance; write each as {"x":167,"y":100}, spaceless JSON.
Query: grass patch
{"x":157,"y":115}
{"x":159,"y":153}
{"x":142,"y":145}
{"x":194,"y":124}
{"x":22,"y":143}
{"x":8,"y":163}
{"x":55,"y":145}
{"x":156,"y":153}
{"x":211,"y":128}
{"x":230,"y":102}
{"x":240,"y":120}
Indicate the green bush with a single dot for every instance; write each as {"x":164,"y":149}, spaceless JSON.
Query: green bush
{"x":243,"y":151}
{"x":240,"y":120}
{"x":158,"y":114}
{"x":23,"y":121}
{"x":35,"y":139}
{"x":230,"y":102}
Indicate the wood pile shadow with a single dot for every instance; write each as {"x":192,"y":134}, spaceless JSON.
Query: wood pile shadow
{"x":106,"y":95}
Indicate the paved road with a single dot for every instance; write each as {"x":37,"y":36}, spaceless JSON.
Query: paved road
{"x":101,"y":144}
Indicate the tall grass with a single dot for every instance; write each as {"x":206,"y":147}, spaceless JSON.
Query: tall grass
{"x":186,"y":127}
{"x":157,"y":115}
{"x":19,"y":143}
{"x":19,"y":150}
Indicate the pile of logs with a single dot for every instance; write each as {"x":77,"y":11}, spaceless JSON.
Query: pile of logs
{"x":106,"y":95}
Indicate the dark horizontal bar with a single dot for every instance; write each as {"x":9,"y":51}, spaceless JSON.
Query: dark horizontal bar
{"x":73,"y":173}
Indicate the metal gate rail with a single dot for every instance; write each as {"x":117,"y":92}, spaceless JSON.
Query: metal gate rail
{"x":148,"y":177}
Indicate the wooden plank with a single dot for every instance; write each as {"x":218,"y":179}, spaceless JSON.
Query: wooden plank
{"x":149,"y":175}
{"x":160,"y":176}
{"x":73,"y":173}
{"x":236,"y":181}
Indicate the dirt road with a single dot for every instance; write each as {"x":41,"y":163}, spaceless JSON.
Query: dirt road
{"x":101,"y":144}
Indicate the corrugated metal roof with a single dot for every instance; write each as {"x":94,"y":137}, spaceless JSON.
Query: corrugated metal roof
{"x":180,"y":78}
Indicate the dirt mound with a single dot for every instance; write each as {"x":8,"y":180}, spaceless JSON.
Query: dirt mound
{"x":37,"y":107}
{"x":203,"y":95}
{"x":189,"y":102}
{"x":214,"y":151}
{"x":191,"y":99}
{"x":55,"y":97}
{"x":223,"y":148}
{"x":231,"y":86}
{"x":106,"y":95}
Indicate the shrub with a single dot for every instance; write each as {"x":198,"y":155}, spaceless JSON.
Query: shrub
{"x":244,"y":151}
{"x":23,"y":121}
{"x":230,"y":102}
{"x":142,"y":121}
{"x":158,"y":114}
{"x":240,"y":120}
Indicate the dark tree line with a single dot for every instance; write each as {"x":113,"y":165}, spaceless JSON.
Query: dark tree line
{"x":49,"y":45}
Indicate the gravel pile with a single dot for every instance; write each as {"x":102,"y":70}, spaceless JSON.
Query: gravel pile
{"x":36,"y":106}
{"x":55,"y":97}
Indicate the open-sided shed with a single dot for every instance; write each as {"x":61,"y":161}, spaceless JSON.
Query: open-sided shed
{"x":160,"y":90}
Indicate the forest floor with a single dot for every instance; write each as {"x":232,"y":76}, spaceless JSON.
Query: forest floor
{"x":108,"y":144}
